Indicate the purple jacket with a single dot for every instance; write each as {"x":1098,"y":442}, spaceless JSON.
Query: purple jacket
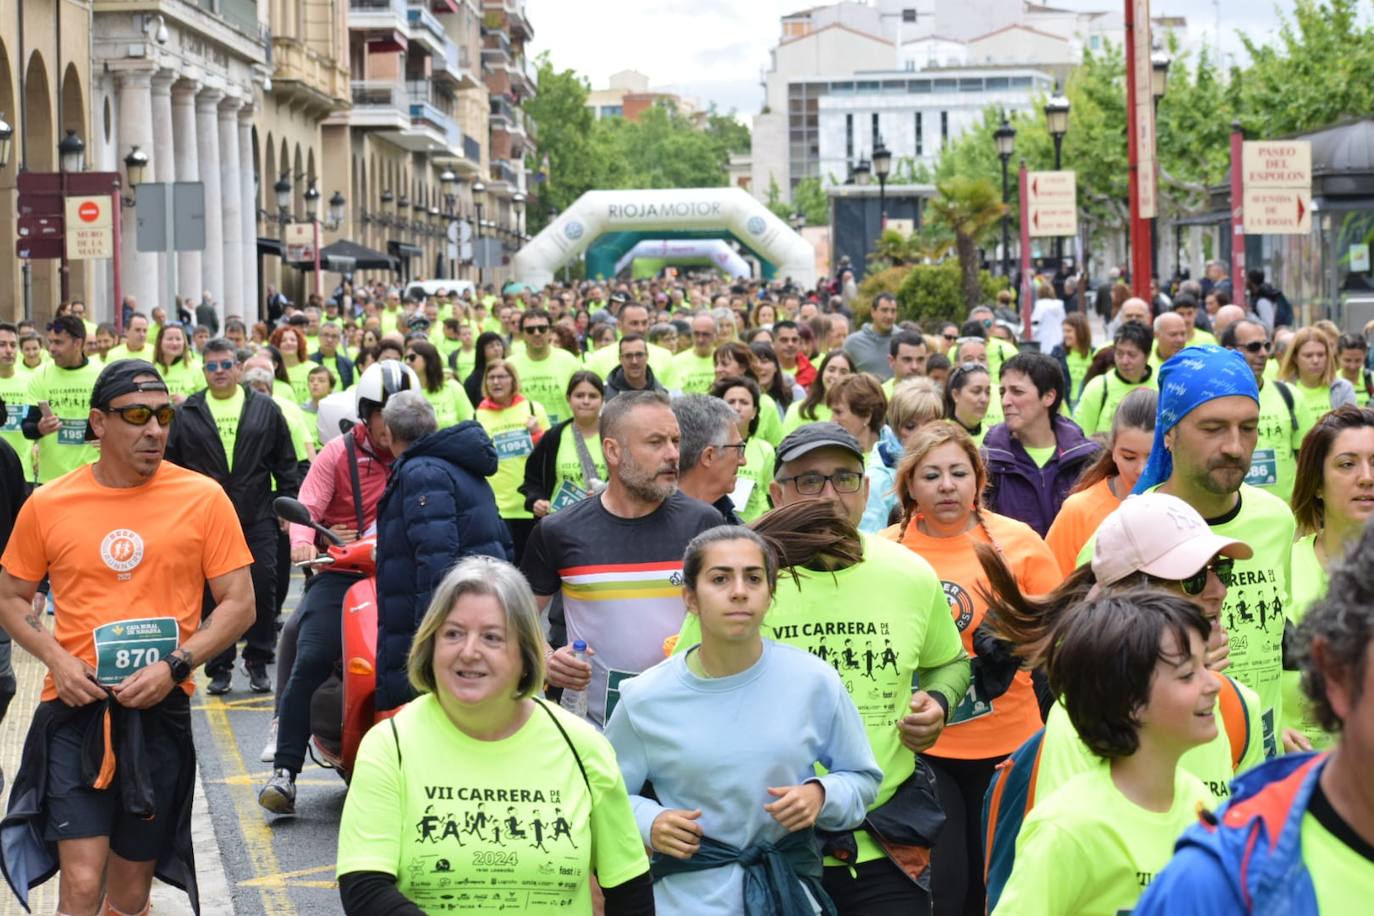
{"x":1019,"y":489}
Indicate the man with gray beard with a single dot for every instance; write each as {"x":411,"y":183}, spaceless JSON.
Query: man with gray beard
{"x":615,"y":560}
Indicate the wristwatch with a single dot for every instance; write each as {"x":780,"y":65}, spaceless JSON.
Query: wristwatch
{"x":181,"y":669}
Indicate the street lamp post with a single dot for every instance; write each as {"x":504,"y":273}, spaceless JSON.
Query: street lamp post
{"x":1005,"y":137}
{"x":1160,"y":62}
{"x":882,"y":167}
{"x":1057,"y":117}
{"x":448,"y":181}
{"x":479,"y":197}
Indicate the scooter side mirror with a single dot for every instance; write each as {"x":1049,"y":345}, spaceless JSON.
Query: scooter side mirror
{"x":294,"y":511}
{"x":346,"y":425}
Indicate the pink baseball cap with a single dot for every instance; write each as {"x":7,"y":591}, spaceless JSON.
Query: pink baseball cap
{"x":1158,"y":534}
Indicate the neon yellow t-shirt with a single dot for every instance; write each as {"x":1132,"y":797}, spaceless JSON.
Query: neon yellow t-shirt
{"x":511,"y":436}
{"x":1274,"y":464}
{"x":1063,"y":755}
{"x":546,"y":380}
{"x":1089,"y":849}
{"x":121,"y":351}
{"x":301,"y":429}
{"x":300,"y":380}
{"x":68,"y":393}
{"x":1078,"y":369}
{"x":226,"y":412}
{"x":466,"y":362}
{"x":1041,"y":456}
{"x":1309,"y":584}
{"x":875,"y":623}
{"x":770,"y":421}
{"x":1342,"y":878}
{"x":569,"y":486}
{"x":513,"y":829}
{"x":1312,"y":404}
{"x":15,"y":393}
{"x":1100,"y":398}
{"x":1256,"y":598}
{"x":332,"y":364}
{"x":794,"y":419}
{"x":451,"y":404}
{"x":758,"y":468}
{"x":183,"y":377}
{"x":694,"y":374}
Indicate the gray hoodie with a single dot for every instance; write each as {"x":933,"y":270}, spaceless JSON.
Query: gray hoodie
{"x":870,"y":350}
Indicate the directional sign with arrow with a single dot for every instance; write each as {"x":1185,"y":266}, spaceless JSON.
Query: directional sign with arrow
{"x":1052,"y":203}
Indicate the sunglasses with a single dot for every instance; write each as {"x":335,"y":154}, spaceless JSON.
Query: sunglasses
{"x":1193,"y":585}
{"x":224,"y":366}
{"x":140,"y":414}
{"x":537,"y":329}
{"x":411,"y":357}
{"x":950,"y":337}
{"x":1256,"y":346}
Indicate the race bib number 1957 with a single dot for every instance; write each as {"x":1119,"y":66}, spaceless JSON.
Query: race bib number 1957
{"x":127,"y":646}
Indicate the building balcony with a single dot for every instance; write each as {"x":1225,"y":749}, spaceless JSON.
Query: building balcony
{"x":303,"y":74}
{"x":445,"y":6}
{"x":503,"y":173}
{"x":426,"y":31}
{"x":432,"y":130}
{"x":496,"y":50}
{"x":454,"y":67}
{"x":386,"y":22}
{"x":502,"y":112}
{"x":522,"y":77}
{"x":379,"y":104}
{"x":511,"y":15}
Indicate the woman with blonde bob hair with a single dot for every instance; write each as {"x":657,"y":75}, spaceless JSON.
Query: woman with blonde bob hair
{"x":1309,"y":365}
{"x":939,"y":485}
{"x":479,"y":779}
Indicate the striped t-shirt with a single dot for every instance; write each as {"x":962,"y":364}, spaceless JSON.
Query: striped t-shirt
{"x":620,"y":581}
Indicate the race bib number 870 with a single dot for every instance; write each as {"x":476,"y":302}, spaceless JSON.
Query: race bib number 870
{"x":128,"y":646}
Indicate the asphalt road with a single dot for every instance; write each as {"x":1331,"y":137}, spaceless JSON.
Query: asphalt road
{"x":272,"y":865}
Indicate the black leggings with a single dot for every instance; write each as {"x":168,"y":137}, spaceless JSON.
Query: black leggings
{"x":879,"y":888}
{"x":956,"y":862}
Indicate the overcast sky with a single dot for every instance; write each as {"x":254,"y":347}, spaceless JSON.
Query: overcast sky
{"x":716,"y":50}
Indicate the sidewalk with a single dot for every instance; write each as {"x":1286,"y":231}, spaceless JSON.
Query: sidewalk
{"x":214,"y":892}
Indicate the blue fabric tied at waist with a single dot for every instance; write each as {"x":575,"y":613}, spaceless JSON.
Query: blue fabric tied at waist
{"x":777,"y":876}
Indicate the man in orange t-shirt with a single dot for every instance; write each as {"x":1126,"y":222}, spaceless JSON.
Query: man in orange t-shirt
{"x":128,"y":543}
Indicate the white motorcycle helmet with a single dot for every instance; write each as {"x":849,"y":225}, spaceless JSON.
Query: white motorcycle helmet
{"x":379,"y":382}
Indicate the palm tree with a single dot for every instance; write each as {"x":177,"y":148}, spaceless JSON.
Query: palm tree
{"x":967,"y":207}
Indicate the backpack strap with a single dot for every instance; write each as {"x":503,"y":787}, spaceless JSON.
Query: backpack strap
{"x":572,"y":747}
{"x":1009,"y":798}
{"x":397,"y":737}
{"x":1235,"y":713}
{"x":1287,"y":394}
{"x":351,"y":444}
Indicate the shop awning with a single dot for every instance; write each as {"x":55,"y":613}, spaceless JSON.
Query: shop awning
{"x":270,"y":246}
{"x":345,"y":257}
{"x":402,"y":250}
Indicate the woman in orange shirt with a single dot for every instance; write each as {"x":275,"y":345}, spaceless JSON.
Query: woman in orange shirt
{"x":1108,"y":480}
{"x":939,"y":483}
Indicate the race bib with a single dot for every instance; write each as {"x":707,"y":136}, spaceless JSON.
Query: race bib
{"x":127,"y":646}
{"x":1264,"y":468}
{"x":15,"y":419}
{"x":568,"y":494}
{"x":514,"y":443}
{"x":974,"y":705}
{"x":72,"y":432}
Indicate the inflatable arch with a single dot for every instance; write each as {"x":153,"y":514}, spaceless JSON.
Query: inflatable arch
{"x":717,"y":251}
{"x":731,"y":210}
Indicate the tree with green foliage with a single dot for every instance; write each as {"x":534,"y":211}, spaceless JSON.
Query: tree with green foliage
{"x":809,"y":199}
{"x":968,"y":208}
{"x":930,"y":293}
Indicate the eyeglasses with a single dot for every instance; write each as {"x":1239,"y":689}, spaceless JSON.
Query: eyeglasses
{"x":633,"y":356}
{"x":812,"y":483}
{"x":1256,"y":346}
{"x":224,"y":366}
{"x":140,"y":414}
{"x":1193,"y":585}
{"x":536,"y":329}
{"x":739,"y":445}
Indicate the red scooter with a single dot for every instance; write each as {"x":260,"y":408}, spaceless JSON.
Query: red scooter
{"x":341,"y":711}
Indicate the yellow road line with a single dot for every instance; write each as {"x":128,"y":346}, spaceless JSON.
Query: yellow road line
{"x":257,"y":837}
{"x":253,"y":779}
{"x":294,"y":879}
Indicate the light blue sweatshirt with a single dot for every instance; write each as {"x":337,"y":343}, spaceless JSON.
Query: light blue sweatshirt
{"x":718,"y":744}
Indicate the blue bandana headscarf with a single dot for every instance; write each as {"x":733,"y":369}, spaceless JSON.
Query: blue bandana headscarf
{"x":1192,"y":377}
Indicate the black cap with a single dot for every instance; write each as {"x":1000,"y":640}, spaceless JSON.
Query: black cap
{"x":120,"y":377}
{"x":808,"y":438}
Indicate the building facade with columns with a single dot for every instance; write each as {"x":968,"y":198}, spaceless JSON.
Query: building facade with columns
{"x":184,"y":85}
{"x":45,"y":91}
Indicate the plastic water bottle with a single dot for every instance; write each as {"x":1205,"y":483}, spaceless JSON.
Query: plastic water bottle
{"x":575,"y":701}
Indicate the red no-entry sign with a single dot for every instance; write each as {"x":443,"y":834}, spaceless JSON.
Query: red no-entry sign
{"x":89,"y":211}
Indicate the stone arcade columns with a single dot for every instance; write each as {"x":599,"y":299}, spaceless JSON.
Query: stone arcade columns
{"x":134,"y":89}
{"x":163,"y":169}
{"x":249,"y":217}
{"x":231,"y":299}
{"x":187,"y":169}
{"x":207,"y":146}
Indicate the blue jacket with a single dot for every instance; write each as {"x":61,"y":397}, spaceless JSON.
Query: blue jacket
{"x":1248,"y":859}
{"x":437,"y":508}
{"x":1019,"y":489}
{"x":345,"y":379}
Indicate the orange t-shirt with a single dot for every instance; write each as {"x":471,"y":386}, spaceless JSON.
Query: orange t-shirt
{"x":980,"y":728}
{"x":116,"y":555}
{"x":1077,"y":521}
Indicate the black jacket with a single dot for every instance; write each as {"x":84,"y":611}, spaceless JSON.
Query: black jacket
{"x":437,"y":508}
{"x":13,"y":490}
{"x":345,"y":367}
{"x":28,"y":859}
{"x":541,"y":467}
{"x":615,"y":382}
{"x":262,"y":451}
